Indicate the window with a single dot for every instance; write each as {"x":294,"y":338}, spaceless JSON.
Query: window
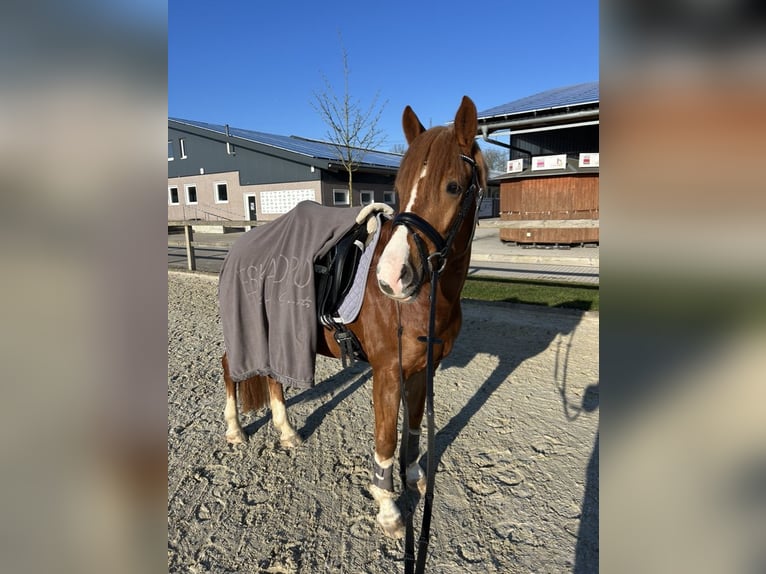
{"x":170,"y":150}
{"x":191,"y":194}
{"x":340,"y":197}
{"x":221,"y":192}
{"x":367,"y":197}
{"x":173,"y":196}
{"x":389,"y":197}
{"x":182,"y":144}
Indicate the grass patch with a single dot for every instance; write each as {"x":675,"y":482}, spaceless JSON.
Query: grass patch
{"x":561,"y":295}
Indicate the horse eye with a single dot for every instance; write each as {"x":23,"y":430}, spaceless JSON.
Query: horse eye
{"x":453,"y":188}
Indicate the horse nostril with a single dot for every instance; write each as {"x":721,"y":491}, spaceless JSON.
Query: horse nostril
{"x":385,"y":287}
{"x":406,"y":275}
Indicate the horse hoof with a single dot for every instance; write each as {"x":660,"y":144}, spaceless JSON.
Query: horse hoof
{"x":293,"y":441}
{"x":416,"y":479}
{"x":235,"y":437}
{"x":392,"y":528}
{"x":389,"y":517}
{"x":418,"y":485}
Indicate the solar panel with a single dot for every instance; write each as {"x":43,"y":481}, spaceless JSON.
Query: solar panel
{"x":311,"y":148}
{"x":555,"y":98}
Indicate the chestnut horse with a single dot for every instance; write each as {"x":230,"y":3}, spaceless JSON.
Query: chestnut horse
{"x":439,"y":181}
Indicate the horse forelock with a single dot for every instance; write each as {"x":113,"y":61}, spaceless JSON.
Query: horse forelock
{"x":437,"y":149}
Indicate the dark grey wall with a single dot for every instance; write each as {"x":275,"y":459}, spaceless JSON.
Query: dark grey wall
{"x":377,"y":183}
{"x":582,"y":139}
{"x":254,"y":166}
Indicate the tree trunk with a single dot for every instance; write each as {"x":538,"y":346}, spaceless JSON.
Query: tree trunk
{"x":350,"y":188}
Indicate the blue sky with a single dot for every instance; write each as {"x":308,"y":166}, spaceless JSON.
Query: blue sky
{"x":256,"y":65}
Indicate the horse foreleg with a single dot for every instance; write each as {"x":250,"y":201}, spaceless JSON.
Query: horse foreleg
{"x":416,"y":398}
{"x":234,"y":433}
{"x":288,"y":436}
{"x":385,"y":392}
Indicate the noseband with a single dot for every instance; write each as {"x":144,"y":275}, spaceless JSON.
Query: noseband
{"x":416,"y":226}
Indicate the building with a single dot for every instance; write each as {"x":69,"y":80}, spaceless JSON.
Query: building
{"x":220,"y":173}
{"x":550,"y":190}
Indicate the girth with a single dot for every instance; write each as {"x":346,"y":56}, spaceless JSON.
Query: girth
{"x":334,"y":274}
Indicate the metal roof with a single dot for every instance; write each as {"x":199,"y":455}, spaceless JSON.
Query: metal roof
{"x":310,"y":148}
{"x":567,"y":96}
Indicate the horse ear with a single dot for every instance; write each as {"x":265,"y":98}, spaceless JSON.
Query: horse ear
{"x":411,"y":124}
{"x":466,"y":124}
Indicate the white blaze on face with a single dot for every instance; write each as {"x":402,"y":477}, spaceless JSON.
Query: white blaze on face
{"x":396,"y":254}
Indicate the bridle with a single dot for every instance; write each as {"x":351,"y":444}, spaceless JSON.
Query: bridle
{"x":435,"y":262}
{"x":417,"y":226}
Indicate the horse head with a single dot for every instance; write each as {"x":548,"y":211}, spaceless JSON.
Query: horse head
{"x":439,"y":181}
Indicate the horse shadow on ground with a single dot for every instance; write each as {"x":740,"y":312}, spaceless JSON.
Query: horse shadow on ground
{"x":586,"y":550}
{"x":344,"y":383}
{"x":511,"y":350}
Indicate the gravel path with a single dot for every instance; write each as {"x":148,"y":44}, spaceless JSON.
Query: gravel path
{"x":517,"y":444}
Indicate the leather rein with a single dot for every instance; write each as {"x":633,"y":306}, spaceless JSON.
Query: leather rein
{"x":435,"y":262}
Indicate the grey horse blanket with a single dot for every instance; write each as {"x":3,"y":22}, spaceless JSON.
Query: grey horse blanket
{"x":266,"y":293}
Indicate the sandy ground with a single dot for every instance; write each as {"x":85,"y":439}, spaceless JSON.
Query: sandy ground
{"x":517,"y":449}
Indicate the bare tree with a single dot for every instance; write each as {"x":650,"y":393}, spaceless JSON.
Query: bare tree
{"x":352,"y":129}
{"x":496,"y":158}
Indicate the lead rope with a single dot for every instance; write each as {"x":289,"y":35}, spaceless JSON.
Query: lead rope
{"x":436,"y":267}
{"x":409,"y":540}
{"x":430,"y":340}
{"x":409,"y":533}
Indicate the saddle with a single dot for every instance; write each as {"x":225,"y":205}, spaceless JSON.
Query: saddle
{"x":334,"y":274}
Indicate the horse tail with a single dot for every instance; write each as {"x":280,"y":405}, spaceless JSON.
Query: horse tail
{"x":253,"y":392}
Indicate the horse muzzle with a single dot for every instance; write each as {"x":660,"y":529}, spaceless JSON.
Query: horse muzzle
{"x":397,"y":277}
{"x":403,"y":288}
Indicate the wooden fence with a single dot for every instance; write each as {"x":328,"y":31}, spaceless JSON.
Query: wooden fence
{"x":188,"y":227}
{"x":189,"y":242}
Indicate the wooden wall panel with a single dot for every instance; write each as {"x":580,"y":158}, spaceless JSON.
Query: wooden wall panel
{"x":562,"y":236}
{"x":555,"y":197}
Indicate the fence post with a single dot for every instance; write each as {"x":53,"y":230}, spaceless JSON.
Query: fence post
{"x":191,"y":263}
